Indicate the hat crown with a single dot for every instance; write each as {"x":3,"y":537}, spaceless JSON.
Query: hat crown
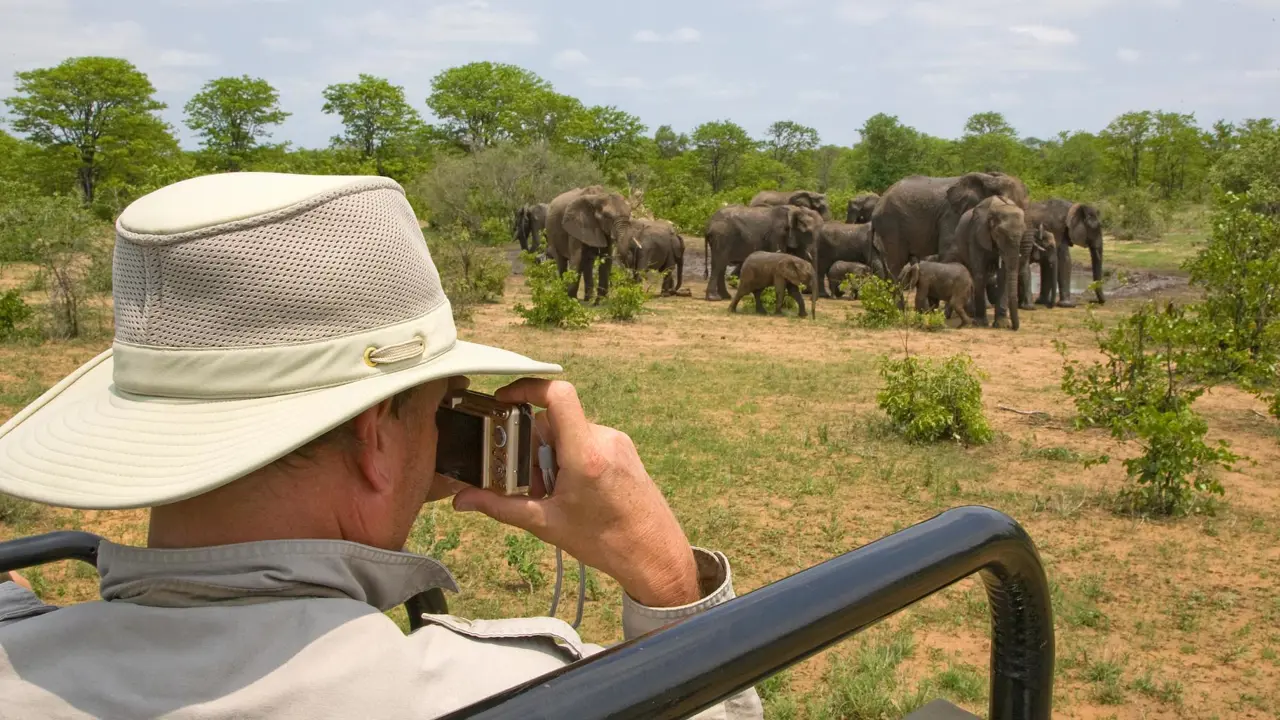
{"x":258,"y":259}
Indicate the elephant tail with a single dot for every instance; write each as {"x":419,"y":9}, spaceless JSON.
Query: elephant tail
{"x":706,"y":258}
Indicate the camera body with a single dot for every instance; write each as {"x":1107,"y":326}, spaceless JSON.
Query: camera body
{"x":485,"y":443}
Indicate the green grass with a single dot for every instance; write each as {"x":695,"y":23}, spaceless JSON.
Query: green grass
{"x":1105,"y":677}
{"x":1163,"y":257}
{"x":865,"y":682}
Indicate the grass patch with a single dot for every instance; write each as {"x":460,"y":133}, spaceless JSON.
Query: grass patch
{"x":865,"y":682}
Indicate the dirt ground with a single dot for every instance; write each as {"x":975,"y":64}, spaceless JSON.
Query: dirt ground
{"x":765,"y":436}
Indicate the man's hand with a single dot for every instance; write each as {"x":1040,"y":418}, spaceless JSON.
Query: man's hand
{"x":606,"y":510}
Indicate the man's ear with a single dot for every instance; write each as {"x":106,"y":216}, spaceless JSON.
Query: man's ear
{"x":372,"y":445}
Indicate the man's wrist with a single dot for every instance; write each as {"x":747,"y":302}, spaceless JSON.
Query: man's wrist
{"x":673,"y":584}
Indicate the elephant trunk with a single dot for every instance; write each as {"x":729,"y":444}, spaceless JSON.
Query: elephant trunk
{"x":1013,"y":261}
{"x":816,"y":284}
{"x":1095,"y":258}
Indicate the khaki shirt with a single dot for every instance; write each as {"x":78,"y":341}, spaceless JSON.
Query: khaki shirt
{"x":284,"y":629}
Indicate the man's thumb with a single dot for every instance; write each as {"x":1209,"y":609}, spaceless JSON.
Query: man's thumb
{"x":517,"y":510}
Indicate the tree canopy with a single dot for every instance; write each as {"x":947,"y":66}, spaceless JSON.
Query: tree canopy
{"x":231,"y":114}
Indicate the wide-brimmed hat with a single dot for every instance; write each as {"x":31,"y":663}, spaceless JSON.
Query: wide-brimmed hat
{"x":253,"y":313}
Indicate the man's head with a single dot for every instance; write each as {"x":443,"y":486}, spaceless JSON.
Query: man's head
{"x":255,"y":313}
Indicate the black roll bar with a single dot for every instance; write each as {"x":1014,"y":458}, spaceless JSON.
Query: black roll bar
{"x":677,"y":671}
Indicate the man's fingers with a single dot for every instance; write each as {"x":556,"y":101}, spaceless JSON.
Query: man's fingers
{"x":517,"y":511}
{"x":564,"y":411}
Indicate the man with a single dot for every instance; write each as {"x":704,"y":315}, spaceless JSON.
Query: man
{"x":282,"y":345}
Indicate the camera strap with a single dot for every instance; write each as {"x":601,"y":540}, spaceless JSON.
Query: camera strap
{"x":547,"y":461}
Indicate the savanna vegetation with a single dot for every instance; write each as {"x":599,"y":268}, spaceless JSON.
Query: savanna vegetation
{"x":1133,"y":440}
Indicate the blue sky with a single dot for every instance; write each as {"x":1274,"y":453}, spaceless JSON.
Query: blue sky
{"x":1049,"y":65}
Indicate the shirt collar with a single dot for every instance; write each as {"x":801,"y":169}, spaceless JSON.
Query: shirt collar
{"x":264,"y":571}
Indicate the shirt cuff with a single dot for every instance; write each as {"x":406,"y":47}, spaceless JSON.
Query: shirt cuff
{"x":715,"y":581}
{"x":17,"y":602}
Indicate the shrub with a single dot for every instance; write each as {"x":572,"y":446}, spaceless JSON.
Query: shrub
{"x":880,"y":304}
{"x":928,"y":401}
{"x":552,"y":306}
{"x":768,"y":297}
{"x":1239,"y":269}
{"x":13,"y":312}
{"x":1144,"y":390}
{"x":1133,"y":214}
{"x":932,"y":321}
{"x":626,"y":297}
{"x":61,"y":236}
{"x":470,"y":272}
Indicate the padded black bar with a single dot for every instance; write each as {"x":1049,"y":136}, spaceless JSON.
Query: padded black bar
{"x":675,"y":672}
{"x":50,"y":547}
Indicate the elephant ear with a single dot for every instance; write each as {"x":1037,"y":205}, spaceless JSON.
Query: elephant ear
{"x":965,"y":194}
{"x":795,"y":218}
{"x":1077,"y":231}
{"x":580,"y":221}
{"x":983,"y":219}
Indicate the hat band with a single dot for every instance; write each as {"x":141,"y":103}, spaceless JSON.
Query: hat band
{"x":251,"y":372}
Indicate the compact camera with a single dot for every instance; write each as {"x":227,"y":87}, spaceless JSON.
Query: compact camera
{"x":485,"y":443}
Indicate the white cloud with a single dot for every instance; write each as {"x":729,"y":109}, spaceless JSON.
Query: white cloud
{"x":815,"y":96}
{"x":183,"y":58}
{"x":626,"y":82}
{"x":568,"y":59}
{"x":1047,"y":34}
{"x":862,"y":12}
{"x":1193,"y":58}
{"x":1128,"y":55}
{"x":679,"y":35}
{"x":286,"y":44}
{"x":472,"y":21}
{"x":1263,"y":75}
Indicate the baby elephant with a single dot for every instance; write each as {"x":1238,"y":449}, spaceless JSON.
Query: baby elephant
{"x":936,"y":282}
{"x":854,"y":271}
{"x":786,"y":273}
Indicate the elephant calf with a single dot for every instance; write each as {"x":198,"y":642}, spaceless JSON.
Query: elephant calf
{"x":654,"y":245}
{"x":1040,"y":247}
{"x":786,"y":273}
{"x":855,"y":272}
{"x":935,"y":282}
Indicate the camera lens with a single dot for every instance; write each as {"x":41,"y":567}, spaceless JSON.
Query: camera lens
{"x":499,"y":437}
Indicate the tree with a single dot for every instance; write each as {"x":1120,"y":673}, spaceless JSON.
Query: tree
{"x":990,"y":143}
{"x":607,"y":135}
{"x":1073,"y":158}
{"x":1250,"y":166}
{"x":374,"y":115}
{"x":87,"y":105}
{"x":669,"y":143}
{"x":1125,"y":139}
{"x":232,"y":114}
{"x":483,"y":103}
{"x":786,"y":141}
{"x":889,"y":152}
{"x":1177,"y":148}
{"x":827,"y":165}
{"x":720,"y":147}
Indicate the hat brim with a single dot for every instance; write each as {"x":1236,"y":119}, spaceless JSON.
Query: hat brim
{"x":87,"y":444}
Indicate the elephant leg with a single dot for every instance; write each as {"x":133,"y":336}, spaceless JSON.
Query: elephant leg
{"x":1024,"y":287}
{"x":586,"y":266}
{"x":980,"y":296}
{"x":1048,"y":285}
{"x":798,"y":297}
{"x":713,"y":276}
{"x":1064,"y":276}
{"x":737,"y":297}
{"x":606,"y":269}
{"x":957,"y":307}
{"x":562,"y":267}
{"x":759,"y":296}
{"x":779,"y":295}
{"x":1001,"y":307}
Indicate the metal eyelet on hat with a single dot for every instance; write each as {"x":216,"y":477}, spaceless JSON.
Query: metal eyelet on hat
{"x":368,"y":356}
{"x":375,"y":356}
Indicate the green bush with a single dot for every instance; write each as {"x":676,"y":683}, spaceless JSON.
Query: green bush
{"x":932,"y":321}
{"x":13,"y":312}
{"x":1133,"y":214}
{"x":626,"y":297}
{"x":1145,"y":390}
{"x":929,"y":401}
{"x":768,"y":296}
{"x":470,"y":272}
{"x":551,"y":304}
{"x":880,"y":300}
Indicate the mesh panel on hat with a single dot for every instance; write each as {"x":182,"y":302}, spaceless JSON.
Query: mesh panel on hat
{"x":354,"y":263}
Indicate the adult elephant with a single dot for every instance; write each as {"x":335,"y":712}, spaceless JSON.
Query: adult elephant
{"x":988,"y":240}
{"x":584,"y":224}
{"x":816,"y":202}
{"x":849,"y":243}
{"x":918,"y":216}
{"x":531,"y":222}
{"x":654,"y":245}
{"x":1073,"y":224}
{"x":860,"y":208}
{"x":735,"y":232}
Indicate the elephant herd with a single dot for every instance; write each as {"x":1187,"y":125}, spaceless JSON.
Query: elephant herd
{"x":983,"y":223}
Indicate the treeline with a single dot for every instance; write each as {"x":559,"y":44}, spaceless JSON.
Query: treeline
{"x":91,"y":126}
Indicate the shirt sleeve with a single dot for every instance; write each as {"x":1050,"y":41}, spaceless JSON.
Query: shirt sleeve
{"x":715,"y":579}
{"x":19,"y":603}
